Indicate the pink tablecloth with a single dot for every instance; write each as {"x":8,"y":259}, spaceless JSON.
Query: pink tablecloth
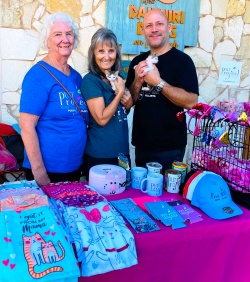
{"x":207,"y":251}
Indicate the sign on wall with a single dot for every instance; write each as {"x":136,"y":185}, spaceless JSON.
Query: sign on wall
{"x":230,"y":72}
{"x":125,"y":19}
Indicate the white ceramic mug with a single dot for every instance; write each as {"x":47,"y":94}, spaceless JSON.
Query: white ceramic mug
{"x":137,"y":175}
{"x":172,"y":180}
{"x":154,"y":184}
{"x":154,"y":167}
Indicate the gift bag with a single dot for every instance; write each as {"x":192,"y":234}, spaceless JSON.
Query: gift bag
{"x":7,"y":160}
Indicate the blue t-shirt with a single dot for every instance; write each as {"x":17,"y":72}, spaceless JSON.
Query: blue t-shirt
{"x":110,"y":140}
{"x":61,"y":130}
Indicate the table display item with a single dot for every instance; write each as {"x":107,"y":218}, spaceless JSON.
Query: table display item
{"x":212,"y":196}
{"x":154,"y":184}
{"x":187,"y":212}
{"x":154,"y":167}
{"x":182,"y":167}
{"x":107,"y":179}
{"x":194,"y":180}
{"x":73,"y":193}
{"x":222,"y":145}
{"x":138,"y":219}
{"x":172,"y":180}
{"x":160,"y":210}
{"x":137,"y":175}
{"x":35,"y":244}
{"x":191,"y":176}
{"x":139,"y":201}
{"x":102,"y":240}
{"x":124,"y":163}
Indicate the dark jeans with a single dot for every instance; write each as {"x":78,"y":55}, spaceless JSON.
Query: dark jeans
{"x":89,"y":161}
{"x":56,"y":177}
{"x":165,"y":158}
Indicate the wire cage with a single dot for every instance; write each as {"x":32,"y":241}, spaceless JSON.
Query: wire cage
{"x":223,"y":147}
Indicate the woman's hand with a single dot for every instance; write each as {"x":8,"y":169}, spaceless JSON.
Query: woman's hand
{"x":41,"y":177}
{"x":127,"y":100}
{"x":120,"y":86}
{"x":28,"y":124}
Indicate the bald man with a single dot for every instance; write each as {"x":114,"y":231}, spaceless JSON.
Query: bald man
{"x":157,"y":134}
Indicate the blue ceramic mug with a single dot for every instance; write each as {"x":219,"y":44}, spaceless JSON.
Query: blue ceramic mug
{"x":137,"y":175}
{"x":154,"y":184}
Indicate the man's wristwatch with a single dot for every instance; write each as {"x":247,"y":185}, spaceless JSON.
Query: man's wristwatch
{"x":159,"y":86}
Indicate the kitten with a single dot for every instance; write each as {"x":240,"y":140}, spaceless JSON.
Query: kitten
{"x":151,"y":59}
{"x":112,"y":76}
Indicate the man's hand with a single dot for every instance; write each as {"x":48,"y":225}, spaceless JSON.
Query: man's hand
{"x":140,"y":71}
{"x":152,"y":77}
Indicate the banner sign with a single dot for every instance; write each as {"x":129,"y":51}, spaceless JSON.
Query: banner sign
{"x":125,"y":19}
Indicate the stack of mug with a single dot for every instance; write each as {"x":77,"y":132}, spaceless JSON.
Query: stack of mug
{"x":150,"y":180}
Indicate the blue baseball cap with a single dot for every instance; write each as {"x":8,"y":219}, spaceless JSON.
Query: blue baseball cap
{"x":212,"y":196}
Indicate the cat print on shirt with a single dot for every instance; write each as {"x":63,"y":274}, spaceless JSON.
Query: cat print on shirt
{"x":105,"y":242}
{"x":81,"y":230}
{"x":111,"y":77}
{"x":37,"y":251}
{"x":113,"y":216}
{"x":49,"y":252}
{"x":117,"y":249}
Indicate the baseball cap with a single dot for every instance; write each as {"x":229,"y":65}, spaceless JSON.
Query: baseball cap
{"x":195,"y":181}
{"x":189,"y":181}
{"x":212,"y":196}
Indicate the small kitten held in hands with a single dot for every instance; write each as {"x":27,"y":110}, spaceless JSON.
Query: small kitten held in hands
{"x":111,"y":76}
{"x":151,"y":59}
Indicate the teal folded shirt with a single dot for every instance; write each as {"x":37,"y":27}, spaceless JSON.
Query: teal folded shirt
{"x":34,"y":246}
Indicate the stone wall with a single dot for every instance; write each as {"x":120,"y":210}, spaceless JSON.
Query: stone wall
{"x":224,"y":29}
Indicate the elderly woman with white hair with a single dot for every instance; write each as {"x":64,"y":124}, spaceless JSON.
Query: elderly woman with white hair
{"x":53,"y":113}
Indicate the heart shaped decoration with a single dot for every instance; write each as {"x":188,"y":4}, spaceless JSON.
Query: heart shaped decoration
{"x":5,"y":262}
{"x":94,"y":215}
{"x":13,"y":256}
{"x":7,"y":239}
{"x":106,"y":208}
